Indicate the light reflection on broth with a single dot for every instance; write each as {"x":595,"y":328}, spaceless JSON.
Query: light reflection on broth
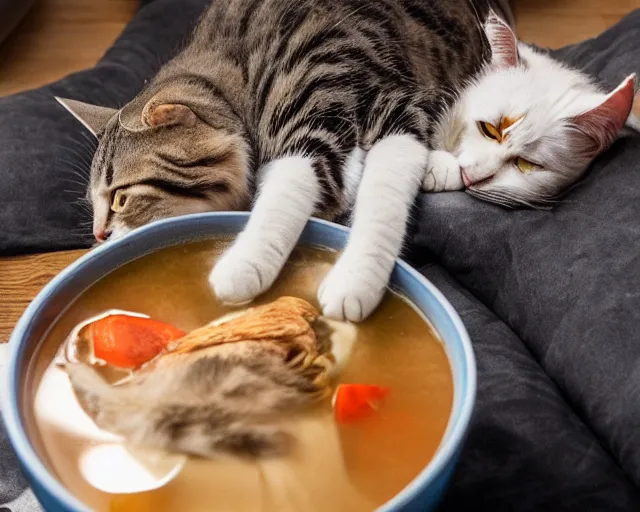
{"x":351,"y":468}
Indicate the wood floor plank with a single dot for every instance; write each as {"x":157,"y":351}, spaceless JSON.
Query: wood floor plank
{"x":58,"y":37}
{"x":556,"y":23}
{"x":21,"y":278}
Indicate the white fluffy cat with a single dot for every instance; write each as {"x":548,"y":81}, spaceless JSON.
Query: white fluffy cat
{"x":527,"y":127}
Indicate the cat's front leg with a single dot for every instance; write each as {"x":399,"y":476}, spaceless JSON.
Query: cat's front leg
{"x":442,"y":173}
{"x":288,"y":193}
{"x":393,"y":170}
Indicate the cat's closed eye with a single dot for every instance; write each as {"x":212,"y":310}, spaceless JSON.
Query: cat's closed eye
{"x":207,"y":161}
{"x":119,"y":200}
{"x":524,"y":166}
{"x":489,"y":131}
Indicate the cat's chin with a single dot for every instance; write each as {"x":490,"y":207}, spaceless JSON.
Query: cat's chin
{"x":116,"y":234}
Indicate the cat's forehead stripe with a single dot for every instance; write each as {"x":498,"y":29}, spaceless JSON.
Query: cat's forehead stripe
{"x":109,"y":174}
{"x":108,"y":153}
{"x":508,"y":122}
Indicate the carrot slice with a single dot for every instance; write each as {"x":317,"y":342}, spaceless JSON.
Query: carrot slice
{"x":130,"y":341}
{"x":352,"y":402}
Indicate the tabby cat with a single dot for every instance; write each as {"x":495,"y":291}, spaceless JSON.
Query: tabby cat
{"x":318,"y":107}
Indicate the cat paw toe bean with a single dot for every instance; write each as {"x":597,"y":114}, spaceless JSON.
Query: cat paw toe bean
{"x":443,"y":173}
{"x":350,"y":293}
{"x":235,"y":280}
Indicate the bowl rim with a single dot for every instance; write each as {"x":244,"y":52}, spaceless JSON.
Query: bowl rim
{"x":38,"y":472}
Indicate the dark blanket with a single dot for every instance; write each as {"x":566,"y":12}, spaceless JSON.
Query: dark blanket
{"x":547,"y":296}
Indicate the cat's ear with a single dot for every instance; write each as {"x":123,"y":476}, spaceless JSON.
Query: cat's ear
{"x":503,"y":42}
{"x":633,"y":121}
{"x":93,"y":117}
{"x":603,"y":123}
{"x":167,"y":114}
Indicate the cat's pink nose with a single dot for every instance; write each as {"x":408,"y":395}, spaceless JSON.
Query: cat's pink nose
{"x":102,"y":235}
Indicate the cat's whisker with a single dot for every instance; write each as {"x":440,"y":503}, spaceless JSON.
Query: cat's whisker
{"x":76,"y":180}
{"x":87,"y":212}
{"x":82,"y":200}
{"x":78,"y":148}
{"x":82,"y":227}
{"x":72,"y":168}
{"x":83,"y":159}
{"x":491,"y":197}
{"x":73,"y":163}
{"x":85,"y":205}
{"x":72,"y":192}
{"x":534,"y":201}
{"x":511,"y":200}
{"x":75,"y":166}
{"x":91,"y":140}
{"x":515,"y":199}
{"x":85,"y":222}
{"x":78,"y":191}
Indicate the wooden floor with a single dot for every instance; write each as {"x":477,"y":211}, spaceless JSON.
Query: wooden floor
{"x":59,"y":37}
{"x":62,"y":36}
{"x":555,"y":23}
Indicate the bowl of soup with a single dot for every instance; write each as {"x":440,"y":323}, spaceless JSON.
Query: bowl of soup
{"x":414,"y":344}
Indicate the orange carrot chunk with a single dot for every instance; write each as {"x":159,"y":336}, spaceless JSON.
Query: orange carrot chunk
{"x":352,"y":402}
{"x":130,"y":341}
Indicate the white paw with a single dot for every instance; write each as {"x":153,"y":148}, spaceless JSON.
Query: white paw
{"x":443,"y":173}
{"x":238,"y":277}
{"x":352,"y":289}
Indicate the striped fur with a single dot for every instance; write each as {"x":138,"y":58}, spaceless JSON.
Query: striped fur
{"x":317,"y":77}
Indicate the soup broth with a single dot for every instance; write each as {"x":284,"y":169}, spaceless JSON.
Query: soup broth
{"x":354,"y":467}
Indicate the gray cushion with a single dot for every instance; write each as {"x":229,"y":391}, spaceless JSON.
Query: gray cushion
{"x":528,"y":450}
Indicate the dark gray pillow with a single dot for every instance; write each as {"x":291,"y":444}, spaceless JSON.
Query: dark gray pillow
{"x":45,"y":153}
{"x":527,"y":449}
{"x":566,"y":280}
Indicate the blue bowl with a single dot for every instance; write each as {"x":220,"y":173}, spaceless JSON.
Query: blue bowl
{"x":422,"y":494}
